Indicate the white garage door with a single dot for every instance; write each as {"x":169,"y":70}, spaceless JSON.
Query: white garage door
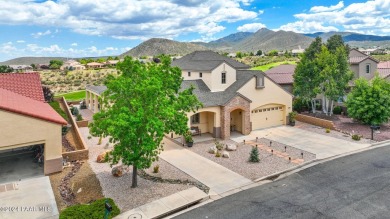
{"x":267,"y":116}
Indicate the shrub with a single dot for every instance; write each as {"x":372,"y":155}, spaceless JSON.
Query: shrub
{"x":156,"y":169}
{"x":95,"y":210}
{"x":254,"y":155}
{"x":299,"y":105}
{"x":356,"y":137}
{"x":79,"y":117}
{"x":218,"y":154}
{"x":327,"y":130}
{"x":337,"y":110}
{"x":75,"y":111}
{"x":218,"y":145}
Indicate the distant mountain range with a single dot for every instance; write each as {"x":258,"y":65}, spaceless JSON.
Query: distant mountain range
{"x":264,"y":39}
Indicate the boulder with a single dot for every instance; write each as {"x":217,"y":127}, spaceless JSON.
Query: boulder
{"x":101,"y":157}
{"x":225,"y":154}
{"x":117,"y":171}
{"x":213,"y":150}
{"x":231,"y":147}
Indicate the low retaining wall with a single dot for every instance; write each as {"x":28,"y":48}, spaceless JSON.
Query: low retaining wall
{"x":78,"y":154}
{"x":83,"y":123}
{"x":316,"y":121}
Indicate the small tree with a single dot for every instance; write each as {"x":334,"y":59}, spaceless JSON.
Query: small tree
{"x":369,"y":102}
{"x":254,"y":155}
{"x":273,"y":53}
{"x":5,"y":69}
{"x":139,"y":107}
{"x":239,"y":55}
{"x":259,"y":53}
{"x":55,"y":64}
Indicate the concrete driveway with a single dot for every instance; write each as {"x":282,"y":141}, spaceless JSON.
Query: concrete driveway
{"x":321,"y":145}
{"x":29,"y":198}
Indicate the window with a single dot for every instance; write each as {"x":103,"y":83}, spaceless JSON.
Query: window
{"x":368,"y":68}
{"x":223,"y":77}
{"x":200,"y":74}
{"x":195,"y":119}
{"x":189,"y":74}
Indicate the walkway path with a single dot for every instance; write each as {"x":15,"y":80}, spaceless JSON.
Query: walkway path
{"x":215,"y":176}
{"x":321,"y":145}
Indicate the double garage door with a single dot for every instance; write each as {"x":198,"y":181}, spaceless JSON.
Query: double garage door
{"x":267,"y":116}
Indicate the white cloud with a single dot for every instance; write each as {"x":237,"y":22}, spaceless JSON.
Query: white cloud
{"x":317,"y":9}
{"x":131,"y":19}
{"x":253,"y":27}
{"x":7,"y":48}
{"x":73,"y":44}
{"x":261,"y":12}
{"x":40,"y":34}
{"x":368,"y":17}
{"x":20,"y":41}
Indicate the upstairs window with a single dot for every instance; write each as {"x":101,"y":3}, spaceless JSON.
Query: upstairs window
{"x":368,"y":68}
{"x":200,"y":74}
{"x":189,"y":74}
{"x":223,"y":78}
{"x":195,"y":119}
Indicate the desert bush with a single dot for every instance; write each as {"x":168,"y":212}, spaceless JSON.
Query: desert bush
{"x":356,"y":137}
{"x":95,"y":210}
{"x":156,"y":169}
{"x":327,"y":130}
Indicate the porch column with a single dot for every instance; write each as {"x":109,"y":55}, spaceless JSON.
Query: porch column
{"x":95,"y":104}
{"x":87,"y":98}
{"x":91,"y":101}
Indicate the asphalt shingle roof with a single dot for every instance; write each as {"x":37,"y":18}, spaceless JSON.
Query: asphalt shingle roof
{"x":205,"y":61}
{"x":97,"y":89}
{"x":26,"y":84}
{"x":282,"y":74}
{"x":222,"y":97}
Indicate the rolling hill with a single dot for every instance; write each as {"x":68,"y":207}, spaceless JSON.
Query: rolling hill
{"x":349,"y":36}
{"x":157,"y":46}
{"x":31,"y":60}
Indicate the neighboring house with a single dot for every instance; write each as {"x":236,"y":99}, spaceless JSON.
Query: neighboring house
{"x":21,"y":68}
{"x":26,"y":120}
{"x":283,"y":75}
{"x":296,"y":52}
{"x":72,"y":65}
{"x":92,"y":95}
{"x":384,"y":64}
{"x":234,"y":98}
{"x":362,"y":65}
{"x":94,"y":65}
{"x":372,"y":51}
{"x":112,"y":62}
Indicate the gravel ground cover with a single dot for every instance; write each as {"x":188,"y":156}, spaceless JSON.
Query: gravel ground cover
{"x":238,"y":161}
{"x":334,"y":134}
{"x":347,"y":124}
{"x":119,"y":188}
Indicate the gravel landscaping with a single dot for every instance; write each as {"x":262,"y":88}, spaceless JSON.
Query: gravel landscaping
{"x":238,"y":161}
{"x":332,"y":133}
{"x":119,"y":188}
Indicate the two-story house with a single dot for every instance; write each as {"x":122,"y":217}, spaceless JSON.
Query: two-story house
{"x":362,"y":65}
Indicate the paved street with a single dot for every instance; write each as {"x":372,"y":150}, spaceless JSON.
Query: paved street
{"x":321,"y":145}
{"x":356,"y":186}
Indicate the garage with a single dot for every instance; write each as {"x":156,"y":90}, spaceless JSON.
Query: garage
{"x":268,"y":116}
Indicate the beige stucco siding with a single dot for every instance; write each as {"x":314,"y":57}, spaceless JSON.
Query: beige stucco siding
{"x":206,"y":76}
{"x":355,"y":69}
{"x":270,"y":94}
{"x":216,"y":77}
{"x":362,"y":68}
{"x":19,"y":131}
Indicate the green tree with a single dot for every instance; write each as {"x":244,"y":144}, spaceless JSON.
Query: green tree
{"x":110,"y":58}
{"x":335,"y":42}
{"x":101,"y":60}
{"x":254,"y":155}
{"x":139,"y":107}
{"x":5,"y":69}
{"x":239,"y":55}
{"x":369,"y":101}
{"x":55,"y":64}
{"x":273,"y":53}
{"x":259,"y":53}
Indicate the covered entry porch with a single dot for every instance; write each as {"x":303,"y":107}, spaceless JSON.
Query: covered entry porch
{"x":204,"y":121}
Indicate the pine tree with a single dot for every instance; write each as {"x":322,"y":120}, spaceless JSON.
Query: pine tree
{"x":254,"y":155}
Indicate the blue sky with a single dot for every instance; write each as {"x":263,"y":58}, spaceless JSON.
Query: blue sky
{"x":77,"y":28}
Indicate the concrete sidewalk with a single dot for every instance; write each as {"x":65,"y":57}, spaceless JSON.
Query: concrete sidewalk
{"x":321,"y":145}
{"x":218,"y":178}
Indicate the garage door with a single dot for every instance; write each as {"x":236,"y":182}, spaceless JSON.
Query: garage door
{"x":267,"y":116}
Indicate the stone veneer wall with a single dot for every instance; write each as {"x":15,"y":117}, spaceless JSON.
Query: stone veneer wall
{"x":316,"y":121}
{"x":235,"y":103}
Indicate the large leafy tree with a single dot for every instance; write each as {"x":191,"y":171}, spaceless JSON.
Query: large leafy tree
{"x":55,"y":64}
{"x":139,"y":107}
{"x":369,"y":101}
{"x":5,"y":69}
{"x":307,"y":74}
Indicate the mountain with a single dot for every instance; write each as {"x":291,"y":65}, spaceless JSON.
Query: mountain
{"x":229,"y":41}
{"x":31,"y":60}
{"x":157,"y":46}
{"x":349,"y":36}
{"x":266,"y":40}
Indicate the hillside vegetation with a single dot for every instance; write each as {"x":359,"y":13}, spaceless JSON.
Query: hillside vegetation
{"x":271,"y":65}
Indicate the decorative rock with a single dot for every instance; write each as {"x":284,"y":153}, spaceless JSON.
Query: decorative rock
{"x":117,"y":171}
{"x":226,"y":154}
{"x":231,"y":147}
{"x":101,"y":157}
{"x":213,"y":150}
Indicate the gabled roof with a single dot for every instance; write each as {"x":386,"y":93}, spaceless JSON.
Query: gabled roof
{"x":356,"y":59}
{"x":205,"y":61}
{"x":26,"y":84}
{"x":282,"y":74}
{"x":384,"y":64}
{"x":16,"y":103}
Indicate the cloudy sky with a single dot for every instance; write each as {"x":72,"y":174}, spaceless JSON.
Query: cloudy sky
{"x":77,"y":28}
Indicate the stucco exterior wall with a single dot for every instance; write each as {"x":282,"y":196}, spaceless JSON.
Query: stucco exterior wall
{"x":362,"y":69}
{"x":19,"y":131}
{"x":355,"y":69}
{"x":271,"y":93}
{"x":206,"y":76}
{"x":216,"y":77}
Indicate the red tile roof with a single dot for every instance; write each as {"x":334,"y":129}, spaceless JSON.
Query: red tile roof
{"x":20,"y":104}
{"x":282,"y":74}
{"x":26,"y":84}
{"x":384,"y":64}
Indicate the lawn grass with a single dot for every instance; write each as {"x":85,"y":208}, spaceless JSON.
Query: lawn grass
{"x":73,"y":96}
{"x":56,"y":106}
{"x":271,"y":65}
